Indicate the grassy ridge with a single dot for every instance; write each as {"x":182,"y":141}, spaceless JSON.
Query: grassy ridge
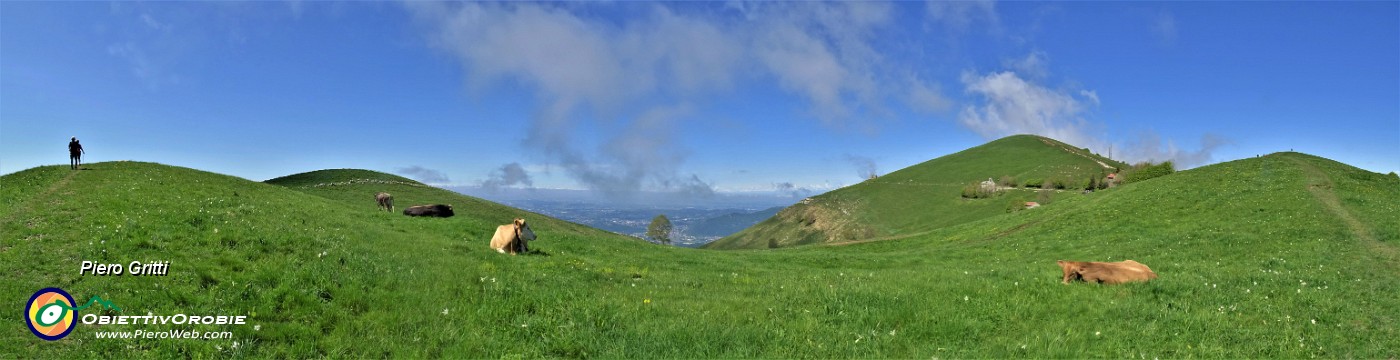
{"x":922,"y":197}
{"x":1249,"y":257}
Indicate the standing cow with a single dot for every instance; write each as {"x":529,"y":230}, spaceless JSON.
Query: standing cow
{"x":513,"y":238}
{"x":385,"y":201}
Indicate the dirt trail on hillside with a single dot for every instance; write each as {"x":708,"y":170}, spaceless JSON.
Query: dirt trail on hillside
{"x":28,"y":205}
{"x":1068,"y":150}
{"x":1320,"y":185}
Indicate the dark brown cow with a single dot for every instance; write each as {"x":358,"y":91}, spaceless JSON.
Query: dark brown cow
{"x":438,"y":210}
{"x":385,"y":201}
{"x":1105,"y":272}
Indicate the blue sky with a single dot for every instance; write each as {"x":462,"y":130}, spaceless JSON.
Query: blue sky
{"x":688,"y":97}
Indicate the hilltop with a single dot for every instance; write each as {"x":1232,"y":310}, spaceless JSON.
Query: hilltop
{"x":925,"y":196}
{"x":1284,"y":256}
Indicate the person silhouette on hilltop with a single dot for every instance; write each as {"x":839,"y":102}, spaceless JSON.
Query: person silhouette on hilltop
{"x":75,"y":153}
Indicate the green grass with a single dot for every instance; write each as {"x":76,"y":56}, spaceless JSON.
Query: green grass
{"x":1249,"y":254}
{"x":923,"y":197}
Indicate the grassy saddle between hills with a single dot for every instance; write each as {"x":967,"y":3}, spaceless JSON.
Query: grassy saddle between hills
{"x":1285,"y":256}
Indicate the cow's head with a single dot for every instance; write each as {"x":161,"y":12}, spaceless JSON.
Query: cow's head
{"x":523,"y":230}
{"x":1072,"y":270}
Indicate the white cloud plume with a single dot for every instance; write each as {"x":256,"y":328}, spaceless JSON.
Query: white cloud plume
{"x":1150,"y":146}
{"x":865,"y":167}
{"x":585,"y":68}
{"x":960,"y":16}
{"x":792,"y":190}
{"x":1035,"y":65}
{"x":423,"y":174}
{"x":507,"y":175}
{"x":1165,"y":28}
{"x":1011,"y":105}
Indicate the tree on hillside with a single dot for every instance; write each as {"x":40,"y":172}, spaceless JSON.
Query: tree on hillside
{"x":660,"y":230}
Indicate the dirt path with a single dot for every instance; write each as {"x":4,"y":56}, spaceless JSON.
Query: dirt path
{"x":28,"y":205}
{"x":1071,"y":151}
{"x":1320,"y":185}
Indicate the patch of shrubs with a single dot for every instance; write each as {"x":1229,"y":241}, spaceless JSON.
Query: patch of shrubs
{"x":1147,"y":170}
{"x":977,"y":191}
{"x":1034,"y":183}
{"x":1044,"y":197}
{"x":1007,"y":181}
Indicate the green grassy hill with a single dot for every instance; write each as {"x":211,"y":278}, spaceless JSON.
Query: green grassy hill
{"x":1285,"y":256}
{"x":923,"y":197}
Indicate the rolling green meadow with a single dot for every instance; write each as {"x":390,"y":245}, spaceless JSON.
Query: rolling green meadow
{"x":1283,"y":256}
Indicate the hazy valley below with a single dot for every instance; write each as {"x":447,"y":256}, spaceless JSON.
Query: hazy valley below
{"x":697,"y":221}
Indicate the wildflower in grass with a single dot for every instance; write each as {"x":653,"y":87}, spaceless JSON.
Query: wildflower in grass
{"x":646,"y":301}
{"x":235,"y":345}
{"x":257,"y":327}
{"x":1096,"y":333}
{"x":965,"y":298}
{"x":444,"y":311}
{"x":1314,"y":321}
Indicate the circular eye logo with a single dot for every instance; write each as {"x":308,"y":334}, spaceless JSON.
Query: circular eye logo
{"x":50,"y":314}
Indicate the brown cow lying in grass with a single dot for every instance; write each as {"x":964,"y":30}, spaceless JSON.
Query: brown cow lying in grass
{"x":385,"y":201}
{"x":513,"y":238}
{"x":1105,"y":272}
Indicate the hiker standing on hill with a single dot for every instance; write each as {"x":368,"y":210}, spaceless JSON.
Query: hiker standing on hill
{"x":75,"y":153}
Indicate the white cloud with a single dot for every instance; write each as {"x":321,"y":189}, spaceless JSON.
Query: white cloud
{"x":1165,"y":28}
{"x":1035,"y":65}
{"x":1150,"y":146}
{"x":1011,"y":105}
{"x":1091,"y":95}
{"x":960,"y":16}
{"x":927,"y":98}
{"x":583,"y":68}
{"x":426,"y":175}
{"x":508,"y":175}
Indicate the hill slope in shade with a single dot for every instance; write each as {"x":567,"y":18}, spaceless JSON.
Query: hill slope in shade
{"x":924,"y":196}
{"x":1285,"y":256}
{"x":731,"y":223}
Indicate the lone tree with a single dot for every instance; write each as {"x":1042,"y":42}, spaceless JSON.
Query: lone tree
{"x":660,"y":229}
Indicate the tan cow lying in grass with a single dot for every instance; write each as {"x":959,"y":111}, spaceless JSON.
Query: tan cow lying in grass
{"x":513,"y":238}
{"x":1105,"y":272}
